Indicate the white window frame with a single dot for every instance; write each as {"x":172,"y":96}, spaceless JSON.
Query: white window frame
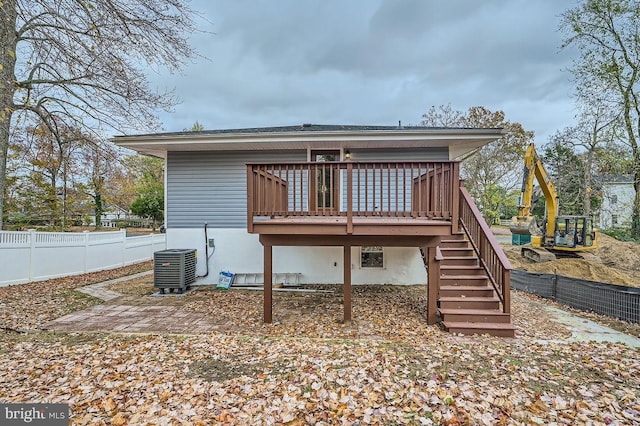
{"x":381,"y":251}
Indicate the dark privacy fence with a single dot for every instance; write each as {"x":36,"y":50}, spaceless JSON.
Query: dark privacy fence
{"x":607,"y":299}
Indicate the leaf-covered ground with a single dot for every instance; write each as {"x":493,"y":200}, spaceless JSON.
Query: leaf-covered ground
{"x":308,"y":368}
{"x":26,"y":306}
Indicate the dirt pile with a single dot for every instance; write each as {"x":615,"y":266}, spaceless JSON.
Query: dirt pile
{"x":614,"y":262}
{"x":580,"y":268}
{"x":618,"y":254}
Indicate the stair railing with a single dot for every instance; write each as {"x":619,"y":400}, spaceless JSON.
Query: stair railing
{"x":492,"y":257}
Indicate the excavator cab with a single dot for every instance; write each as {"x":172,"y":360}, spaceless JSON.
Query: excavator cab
{"x":574,"y":233}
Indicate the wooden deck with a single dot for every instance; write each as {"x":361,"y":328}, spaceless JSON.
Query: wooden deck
{"x":388,"y":204}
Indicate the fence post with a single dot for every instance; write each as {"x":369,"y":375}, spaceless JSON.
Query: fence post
{"x":86,"y":250}
{"x":506,"y":291}
{"x":123,"y":233}
{"x":32,"y":249}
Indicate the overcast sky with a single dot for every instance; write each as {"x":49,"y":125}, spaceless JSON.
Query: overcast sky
{"x":286,"y":62}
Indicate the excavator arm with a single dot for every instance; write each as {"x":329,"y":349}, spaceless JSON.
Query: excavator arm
{"x":524,"y":223}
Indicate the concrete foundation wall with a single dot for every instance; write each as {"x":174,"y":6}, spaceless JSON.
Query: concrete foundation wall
{"x":238,"y":251}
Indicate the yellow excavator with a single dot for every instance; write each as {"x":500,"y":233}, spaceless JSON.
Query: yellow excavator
{"x":559,"y":236}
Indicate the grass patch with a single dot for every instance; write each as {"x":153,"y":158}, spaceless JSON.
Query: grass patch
{"x":48,"y":337}
{"x":76,"y":301}
{"x":220,"y":370}
{"x":136,"y":287}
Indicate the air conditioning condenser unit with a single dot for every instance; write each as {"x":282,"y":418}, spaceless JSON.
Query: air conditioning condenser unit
{"x":174,"y":269}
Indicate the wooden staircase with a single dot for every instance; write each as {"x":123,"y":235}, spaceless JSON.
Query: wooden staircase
{"x":467,"y":302}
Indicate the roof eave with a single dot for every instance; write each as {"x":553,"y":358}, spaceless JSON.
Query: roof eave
{"x":462,"y":140}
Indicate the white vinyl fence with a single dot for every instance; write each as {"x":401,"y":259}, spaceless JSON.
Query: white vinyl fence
{"x":27,"y":256}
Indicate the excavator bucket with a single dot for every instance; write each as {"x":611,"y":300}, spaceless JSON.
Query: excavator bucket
{"x":521,"y":229}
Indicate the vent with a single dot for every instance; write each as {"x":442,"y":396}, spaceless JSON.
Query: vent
{"x":174,"y":269}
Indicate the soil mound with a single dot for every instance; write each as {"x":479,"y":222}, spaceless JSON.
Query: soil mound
{"x":618,"y":254}
{"x":580,"y":268}
{"x":614,"y":262}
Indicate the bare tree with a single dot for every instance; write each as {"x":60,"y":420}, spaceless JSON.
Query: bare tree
{"x":443,"y":116}
{"x":79,"y":63}
{"x":606,"y":32}
{"x":99,"y":164}
{"x":595,"y":131}
{"x":493,"y":171}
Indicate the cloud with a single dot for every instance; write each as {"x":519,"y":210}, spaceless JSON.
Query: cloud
{"x":373,"y":62}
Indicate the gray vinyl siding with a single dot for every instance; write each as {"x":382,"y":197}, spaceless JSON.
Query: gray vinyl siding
{"x":376,"y":198}
{"x":211,"y":186}
{"x":401,"y":154}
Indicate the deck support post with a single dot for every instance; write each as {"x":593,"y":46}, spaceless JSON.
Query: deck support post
{"x":346,"y":289}
{"x":433,"y":284}
{"x":268,"y":268}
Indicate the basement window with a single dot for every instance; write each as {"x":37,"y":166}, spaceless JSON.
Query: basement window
{"x":372,"y":257}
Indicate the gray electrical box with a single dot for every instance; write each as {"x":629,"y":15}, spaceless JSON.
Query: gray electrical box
{"x":174,"y":269}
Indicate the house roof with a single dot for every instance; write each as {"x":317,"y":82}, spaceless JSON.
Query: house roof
{"x":617,"y":179}
{"x":459,"y":140}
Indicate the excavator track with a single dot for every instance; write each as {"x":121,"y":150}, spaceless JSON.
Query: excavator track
{"x":537,"y":255}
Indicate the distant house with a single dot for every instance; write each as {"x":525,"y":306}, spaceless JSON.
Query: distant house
{"x":617,"y":202}
{"x":115,"y":217}
{"x":309,"y":200}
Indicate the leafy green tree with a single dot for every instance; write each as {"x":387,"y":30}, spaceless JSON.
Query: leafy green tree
{"x":150,"y":206}
{"x":149,"y":185}
{"x":79,"y":63}
{"x":197,"y":127}
{"x":607,"y":34}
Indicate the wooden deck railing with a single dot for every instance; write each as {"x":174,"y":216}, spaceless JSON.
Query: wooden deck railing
{"x":270,"y":192}
{"x":383,"y":189}
{"x":491,"y":256}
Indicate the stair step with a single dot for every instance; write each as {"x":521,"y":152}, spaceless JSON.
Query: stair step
{"x":457,"y":236}
{"x":470,"y":280}
{"x":459,"y":261}
{"x":474,"y":315}
{"x":493,"y":329}
{"x":461,"y":270}
{"x":453,"y":302}
{"x":457,"y":251}
{"x":466,"y":290}
{"x":453,"y":244}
